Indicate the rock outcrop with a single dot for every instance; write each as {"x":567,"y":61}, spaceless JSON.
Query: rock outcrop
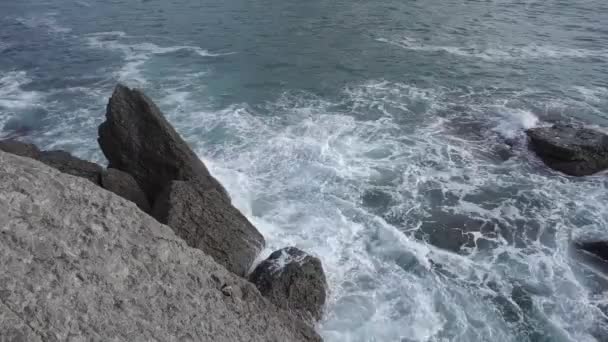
{"x":205,"y":219}
{"x":125,"y":186}
{"x":61,"y":160}
{"x":575,"y":151}
{"x":81,"y":263}
{"x":137,"y":139}
{"x":293,"y":280}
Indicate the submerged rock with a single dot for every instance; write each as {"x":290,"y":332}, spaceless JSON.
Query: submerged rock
{"x":79,"y":263}
{"x":137,"y":139}
{"x":205,"y":219}
{"x":598,"y":248}
{"x":575,"y":151}
{"x":293,"y":280}
{"x":125,"y":186}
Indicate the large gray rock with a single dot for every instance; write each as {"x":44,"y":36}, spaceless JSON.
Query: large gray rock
{"x":20,"y":148}
{"x":61,"y":160}
{"x":575,"y":151}
{"x":136,"y":138}
{"x":205,"y":219}
{"x":125,"y":186}
{"x":293,"y":280}
{"x":78,"y":263}
{"x":67,"y":163}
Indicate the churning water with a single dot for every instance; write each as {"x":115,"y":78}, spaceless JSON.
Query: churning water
{"x":385,"y":137}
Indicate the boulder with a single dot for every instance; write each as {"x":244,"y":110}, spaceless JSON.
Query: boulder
{"x":137,"y":139}
{"x":125,"y":186}
{"x":206,"y":220}
{"x":78,"y":263}
{"x":293,"y":280}
{"x":20,"y":148}
{"x":575,"y":151}
{"x":65,"y":162}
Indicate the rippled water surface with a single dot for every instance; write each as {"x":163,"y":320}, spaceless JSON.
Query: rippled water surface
{"x":386,"y":137}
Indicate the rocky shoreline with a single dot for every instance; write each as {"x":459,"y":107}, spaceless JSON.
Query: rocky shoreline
{"x":167,"y":198}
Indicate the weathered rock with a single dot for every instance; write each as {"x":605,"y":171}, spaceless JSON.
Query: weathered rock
{"x":136,"y":138}
{"x":79,"y":263}
{"x":20,"y":148}
{"x":293,"y":280}
{"x":205,"y":219}
{"x":67,"y":163}
{"x":575,"y":151}
{"x":125,"y":186}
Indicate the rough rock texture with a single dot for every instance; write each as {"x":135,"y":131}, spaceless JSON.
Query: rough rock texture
{"x":61,"y":160}
{"x":79,"y":263}
{"x":205,"y":219}
{"x":293,"y":280}
{"x":136,"y":138}
{"x":572,"y":150}
{"x":20,"y":148}
{"x":67,"y":163}
{"x":125,"y":186}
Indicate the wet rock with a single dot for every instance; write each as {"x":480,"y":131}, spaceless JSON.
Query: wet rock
{"x":575,"y":151}
{"x":597,"y":248}
{"x":125,"y":186}
{"x":137,"y":139}
{"x":293,"y":280}
{"x":205,"y":219}
{"x":20,"y":148}
{"x":67,"y":163}
{"x":99,"y":269}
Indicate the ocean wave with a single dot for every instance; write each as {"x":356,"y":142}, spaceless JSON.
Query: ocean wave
{"x":498,"y":53}
{"x":48,"y":22}
{"x":137,"y":54}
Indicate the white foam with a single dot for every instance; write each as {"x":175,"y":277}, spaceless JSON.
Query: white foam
{"x":12,"y":96}
{"x":498,"y":53}
{"x":47,"y":22}
{"x":137,"y":54}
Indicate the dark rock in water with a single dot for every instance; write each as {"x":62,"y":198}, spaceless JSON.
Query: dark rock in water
{"x":65,"y":162}
{"x":293,"y":280}
{"x":20,"y":148}
{"x":206,"y":220}
{"x":26,"y":122}
{"x":125,"y":186}
{"x":572,"y":150}
{"x":596,"y":248}
{"x":136,"y":138}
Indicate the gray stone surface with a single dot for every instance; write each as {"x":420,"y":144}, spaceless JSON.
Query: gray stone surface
{"x":205,"y":219}
{"x":575,"y":151}
{"x":136,"y":138}
{"x":67,"y":163}
{"x":78,"y":263}
{"x":20,"y":148}
{"x":293,"y":280}
{"x":125,"y":186}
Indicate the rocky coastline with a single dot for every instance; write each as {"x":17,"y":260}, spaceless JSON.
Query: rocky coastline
{"x":149,"y":248}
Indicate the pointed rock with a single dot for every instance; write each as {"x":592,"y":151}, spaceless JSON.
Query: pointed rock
{"x":137,"y":139}
{"x":125,"y":186}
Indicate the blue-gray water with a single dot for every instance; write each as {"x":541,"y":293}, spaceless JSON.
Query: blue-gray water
{"x":370,"y":133}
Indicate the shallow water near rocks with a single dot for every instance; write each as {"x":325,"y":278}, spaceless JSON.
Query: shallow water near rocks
{"x":384,"y":137}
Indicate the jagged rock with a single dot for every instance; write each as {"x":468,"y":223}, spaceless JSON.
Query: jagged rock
{"x":67,"y":163}
{"x":292,"y":280}
{"x":575,"y":151}
{"x":205,"y":219}
{"x":80,"y":263}
{"x":125,"y":186}
{"x":20,"y":148}
{"x":136,"y":138}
